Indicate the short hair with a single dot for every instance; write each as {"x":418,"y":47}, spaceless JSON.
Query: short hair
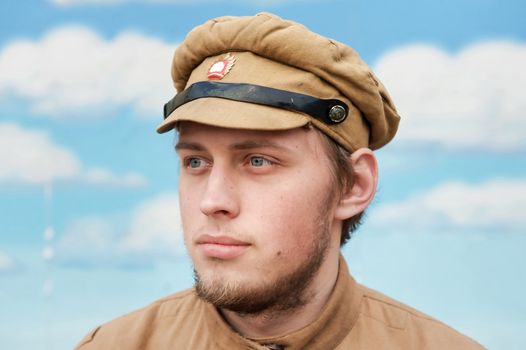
{"x":343,"y":177}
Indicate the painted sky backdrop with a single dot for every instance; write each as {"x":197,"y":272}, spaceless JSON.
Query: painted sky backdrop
{"x":89,"y":225}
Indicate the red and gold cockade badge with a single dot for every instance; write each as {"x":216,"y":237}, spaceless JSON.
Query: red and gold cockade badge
{"x":220,"y":68}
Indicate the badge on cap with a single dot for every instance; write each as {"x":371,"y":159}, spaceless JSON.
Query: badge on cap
{"x":220,"y":68}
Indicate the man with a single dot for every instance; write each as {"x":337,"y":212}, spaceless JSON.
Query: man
{"x":276,"y":127}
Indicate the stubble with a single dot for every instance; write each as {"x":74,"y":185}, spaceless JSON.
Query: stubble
{"x":283,"y":294}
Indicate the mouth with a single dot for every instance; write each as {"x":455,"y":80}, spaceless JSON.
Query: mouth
{"x":221,"y":247}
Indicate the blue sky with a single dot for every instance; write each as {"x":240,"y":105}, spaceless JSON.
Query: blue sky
{"x":88,"y":204}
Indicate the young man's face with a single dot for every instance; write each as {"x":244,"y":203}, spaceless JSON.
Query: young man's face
{"x":256,"y":209}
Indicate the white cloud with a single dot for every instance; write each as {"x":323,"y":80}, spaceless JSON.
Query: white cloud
{"x":152,"y":231}
{"x":30,"y":157}
{"x":155,"y":225}
{"x":7,"y":264}
{"x":73,"y":72}
{"x":87,"y":235}
{"x":470,"y":100}
{"x":103,"y":177}
{"x":497,"y":205}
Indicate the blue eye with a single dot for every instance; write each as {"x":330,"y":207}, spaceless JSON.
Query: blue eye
{"x":194,"y":163}
{"x":257,"y":161}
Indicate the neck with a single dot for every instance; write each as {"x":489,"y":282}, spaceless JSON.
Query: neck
{"x":272,"y":323}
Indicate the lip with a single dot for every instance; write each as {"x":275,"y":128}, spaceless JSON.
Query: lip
{"x":221,"y":247}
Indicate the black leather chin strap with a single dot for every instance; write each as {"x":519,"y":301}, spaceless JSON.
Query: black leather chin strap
{"x":328,"y":111}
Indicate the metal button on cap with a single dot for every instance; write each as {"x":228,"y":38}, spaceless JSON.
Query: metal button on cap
{"x":337,"y":113}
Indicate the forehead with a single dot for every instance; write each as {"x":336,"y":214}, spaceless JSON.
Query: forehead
{"x":303,"y":139}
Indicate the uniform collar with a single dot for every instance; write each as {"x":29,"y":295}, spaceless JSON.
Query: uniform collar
{"x":333,"y":324}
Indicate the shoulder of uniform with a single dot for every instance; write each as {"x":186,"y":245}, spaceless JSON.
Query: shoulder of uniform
{"x":395,"y":314}
{"x":387,"y":310}
{"x":172,"y":304}
{"x":140,"y":320}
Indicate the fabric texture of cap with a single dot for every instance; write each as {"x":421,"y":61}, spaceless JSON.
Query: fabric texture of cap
{"x":268,"y":51}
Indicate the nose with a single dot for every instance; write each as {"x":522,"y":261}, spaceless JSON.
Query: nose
{"x":219,"y":198}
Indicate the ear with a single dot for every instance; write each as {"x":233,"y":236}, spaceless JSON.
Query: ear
{"x":364,"y":182}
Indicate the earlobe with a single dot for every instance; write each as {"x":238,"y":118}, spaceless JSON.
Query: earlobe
{"x":357,"y":197}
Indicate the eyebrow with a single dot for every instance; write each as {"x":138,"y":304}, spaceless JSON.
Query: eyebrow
{"x":245,"y":145}
{"x":189,"y":146}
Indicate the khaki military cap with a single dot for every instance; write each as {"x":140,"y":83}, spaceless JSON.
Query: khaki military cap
{"x":265,"y":73}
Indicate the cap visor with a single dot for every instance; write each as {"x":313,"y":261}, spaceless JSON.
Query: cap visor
{"x":234,"y":114}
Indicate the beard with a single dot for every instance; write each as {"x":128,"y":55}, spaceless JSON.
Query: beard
{"x":285,"y":293}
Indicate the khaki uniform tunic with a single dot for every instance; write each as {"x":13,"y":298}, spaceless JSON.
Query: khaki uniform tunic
{"x":355,"y":317}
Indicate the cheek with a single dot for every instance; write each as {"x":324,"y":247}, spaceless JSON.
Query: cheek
{"x":290,"y":216}
{"x":189,"y":208}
